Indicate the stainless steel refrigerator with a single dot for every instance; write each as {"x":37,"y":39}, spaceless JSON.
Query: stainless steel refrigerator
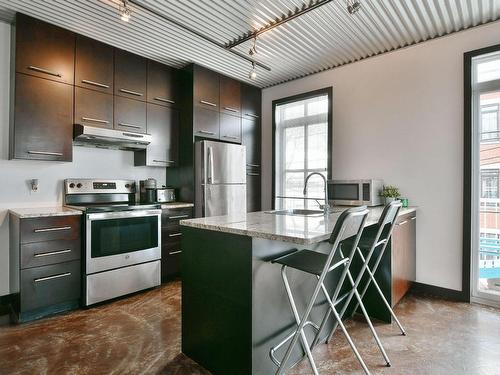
{"x":220,"y":179}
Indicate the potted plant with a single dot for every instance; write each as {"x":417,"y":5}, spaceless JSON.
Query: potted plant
{"x":390,"y":193}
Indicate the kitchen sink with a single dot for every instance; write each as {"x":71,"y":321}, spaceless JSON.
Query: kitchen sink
{"x":297,"y":212}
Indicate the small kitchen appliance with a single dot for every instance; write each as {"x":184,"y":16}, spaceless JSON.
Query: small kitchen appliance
{"x":355,"y":192}
{"x":165,"y":195}
{"x":148,"y":191}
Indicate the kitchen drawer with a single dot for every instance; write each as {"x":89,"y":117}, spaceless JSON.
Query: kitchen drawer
{"x":171,"y":233}
{"x":37,"y":254}
{"x":170,"y":261}
{"x":50,"y":228}
{"x":50,"y":285}
{"x":171,"y":216}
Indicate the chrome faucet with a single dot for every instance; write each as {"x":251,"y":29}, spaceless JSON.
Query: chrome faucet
{"x":326,"y":206}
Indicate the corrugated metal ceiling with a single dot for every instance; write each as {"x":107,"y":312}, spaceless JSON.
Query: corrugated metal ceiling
{"x":321,"y":39}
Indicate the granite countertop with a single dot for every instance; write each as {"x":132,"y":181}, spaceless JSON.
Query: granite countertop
{"x":34,"y":212}
{"x":303,"y":230}
{"x":177,"y":205}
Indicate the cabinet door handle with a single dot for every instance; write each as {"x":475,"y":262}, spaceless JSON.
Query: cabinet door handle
{"x":252,"y":174}
{"x":164,"y":100}
{"x":231,"y":109}
{"x":46,"y":71}
{"x":206,"y":132}
{"x":164,"y":161}
{"x":178,"y":217}
{"x":52,"y":277}
{"x":95,"y":120}
{"x":175,"y":252}
{"x":230,"y":137}
{"x":413,"y":218}
{"x":95,"y":83}
{"x":131,"y":92}
{"x":208,"y":103}
{"x":127,"y":125}
{"x":402,"y":223}
{"x":55,"y":229}
{"x":251,"y":115}
{"x":133,"y":135}
{"x":39,"y":255}
{"x":175,"y":234}
{"x":45,"y":153}
{"x":253,"y":165}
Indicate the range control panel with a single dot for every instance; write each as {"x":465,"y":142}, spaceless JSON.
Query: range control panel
{"x":94,"y":186}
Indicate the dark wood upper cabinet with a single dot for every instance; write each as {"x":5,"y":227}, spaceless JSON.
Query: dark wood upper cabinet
{"x":250,"y":101}
{"x":205,"y":88}
{"x":230,"y":128}
{"x":94,"y":65}
{"x":162,"y":85}
{"x":44,"y":50}
{"x":93,"y":108}
{"x":130,"y":75}
{"x":230,"y":96}
{"x":43,"y":120}
{"x":163,"y":125}
{"x":205,"y":123}
{"x":129,"y":115}
{"x":250,"y":137}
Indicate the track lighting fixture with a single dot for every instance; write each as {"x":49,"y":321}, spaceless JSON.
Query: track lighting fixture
{"x":253,"y":49}
{"x":125,"y":10}
{"x":353,"y":6}
{"x":253,"y":73}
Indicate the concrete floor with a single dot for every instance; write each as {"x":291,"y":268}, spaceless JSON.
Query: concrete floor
{"x":141,"y":335}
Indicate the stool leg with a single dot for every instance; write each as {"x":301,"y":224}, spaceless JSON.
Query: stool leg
{"x":372,"y":279}
{"x":344,"y":330}
{"x":300,"y":325}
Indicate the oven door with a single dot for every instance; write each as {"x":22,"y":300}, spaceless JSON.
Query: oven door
{"x":119,"y":239}
{"x":345,"y":193}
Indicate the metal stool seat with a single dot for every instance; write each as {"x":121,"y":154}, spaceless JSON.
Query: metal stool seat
{"x":350,"y":223}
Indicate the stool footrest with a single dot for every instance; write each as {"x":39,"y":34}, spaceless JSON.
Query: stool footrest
{"x":286,"y":339}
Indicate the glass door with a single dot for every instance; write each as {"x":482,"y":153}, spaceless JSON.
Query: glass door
{"x":486,"y":173}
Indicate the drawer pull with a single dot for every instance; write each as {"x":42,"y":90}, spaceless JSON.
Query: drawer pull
{"x":40,"y":279}
{"x":206,"y":132}
{"x":133,"y":135}
{"x":402,"y":223}
{"x":55,"y":229}
{"x":231,"y":109}
{"x":39,"y":255}
{"x":45,"y":153}
{"x":95,"y":120}
{"x":175,"y":234}
{"x":230,"y":137}
{"x":178,"y":217}
{"x":164,"y":100}
{"x":131,"y":92}
{"x":413,"y":218}
{"x":208,"y":103}
{"x":164,"y":161}
{"x":252,"y":174}
{"x":127,"y":125}
{"x":251,"y":115}
{"x":175,"y":252}
{"x":95,"y":83}
{"x":41,"y":70}
{"x":253,"y":165}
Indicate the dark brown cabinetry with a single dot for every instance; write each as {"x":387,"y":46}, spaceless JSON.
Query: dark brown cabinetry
{"x":162,"y":85}
{"x":205,"y":88}
{"x":163,"y":125}
{"x":230,"y":128}
{"x":171,"y":241}
{"x":230,"y":96}
{"x":93,"y":108}
{"x":205,"y":123}
{"x":44,"y":50}
{"x":253,"y":191}
{"x":250,"y":101}
{"x":45,"y":265}
{"x":130,"y":75}
{"x":251,"y":138}
{"x":129,"y":115}
{"x":94,"y":65}
{"x":43,"y":116}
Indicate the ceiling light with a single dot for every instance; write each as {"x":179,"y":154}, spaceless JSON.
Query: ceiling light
{"x":353,"y":6}
{"x":253,"y":73}
{"x":253,"y":49}
{"x":125,"y":11}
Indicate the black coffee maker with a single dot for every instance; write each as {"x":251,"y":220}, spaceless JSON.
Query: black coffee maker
{"x":148,"y":190}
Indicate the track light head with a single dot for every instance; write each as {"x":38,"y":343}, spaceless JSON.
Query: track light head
{"x":253,"y":72}
{"x":125,"y":11}
{"x":353,"y":6}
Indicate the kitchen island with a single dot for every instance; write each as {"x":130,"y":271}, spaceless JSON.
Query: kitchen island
{"x":234,"y":306}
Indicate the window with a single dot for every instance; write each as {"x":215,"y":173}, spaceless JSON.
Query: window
{"x":489,"y":122}
{"x":489,"y":183}
{"x":302,"y":134}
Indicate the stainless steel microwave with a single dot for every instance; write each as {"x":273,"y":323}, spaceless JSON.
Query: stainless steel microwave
{"x":355,"y":192}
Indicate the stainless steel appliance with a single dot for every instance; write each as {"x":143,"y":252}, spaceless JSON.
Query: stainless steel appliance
{"x":122,"y":239}
{"x":220,"y":175}
{"x":355,"y":192}
{"x":165,"y":195}
{"x":110,"y":138}
{"x":147,"y":192}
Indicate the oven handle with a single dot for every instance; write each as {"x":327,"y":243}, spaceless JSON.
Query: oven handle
{"x":123,"y":214}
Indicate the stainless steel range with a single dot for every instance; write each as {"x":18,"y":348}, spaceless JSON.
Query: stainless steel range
{"x":122,"y":239}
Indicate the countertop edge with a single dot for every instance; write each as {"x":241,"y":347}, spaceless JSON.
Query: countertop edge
{"x":43,"y":212}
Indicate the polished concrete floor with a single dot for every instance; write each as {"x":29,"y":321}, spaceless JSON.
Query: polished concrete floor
{"x":141,"y":335}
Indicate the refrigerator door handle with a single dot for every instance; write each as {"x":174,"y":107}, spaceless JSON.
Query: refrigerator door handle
{"x":210,"y":162}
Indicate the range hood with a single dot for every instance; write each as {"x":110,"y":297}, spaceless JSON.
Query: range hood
{"x":109,"y":138}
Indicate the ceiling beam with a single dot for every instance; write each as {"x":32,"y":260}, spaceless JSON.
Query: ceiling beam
{"x":197,"y":33}
{"x":313,"y":4}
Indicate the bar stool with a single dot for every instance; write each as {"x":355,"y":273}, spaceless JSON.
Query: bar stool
{"x":384,"y":229}
{"x":350,"y":224}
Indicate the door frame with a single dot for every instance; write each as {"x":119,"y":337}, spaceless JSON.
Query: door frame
{"x":467,"y":230}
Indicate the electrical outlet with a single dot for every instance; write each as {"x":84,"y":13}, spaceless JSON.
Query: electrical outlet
{"x":34,"y":185}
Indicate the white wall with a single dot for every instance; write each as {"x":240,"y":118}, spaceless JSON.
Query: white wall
{"x":399,"y":116}
{"x":14,"y":174}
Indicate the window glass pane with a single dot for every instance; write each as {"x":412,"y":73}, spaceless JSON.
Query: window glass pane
{"x":294,"y":184}
{"x":488,"y":70}
{"x":318,"y":106}
{"x":294,"y":148}
{"x":317,"y":146}
{"x":293,"y":111}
